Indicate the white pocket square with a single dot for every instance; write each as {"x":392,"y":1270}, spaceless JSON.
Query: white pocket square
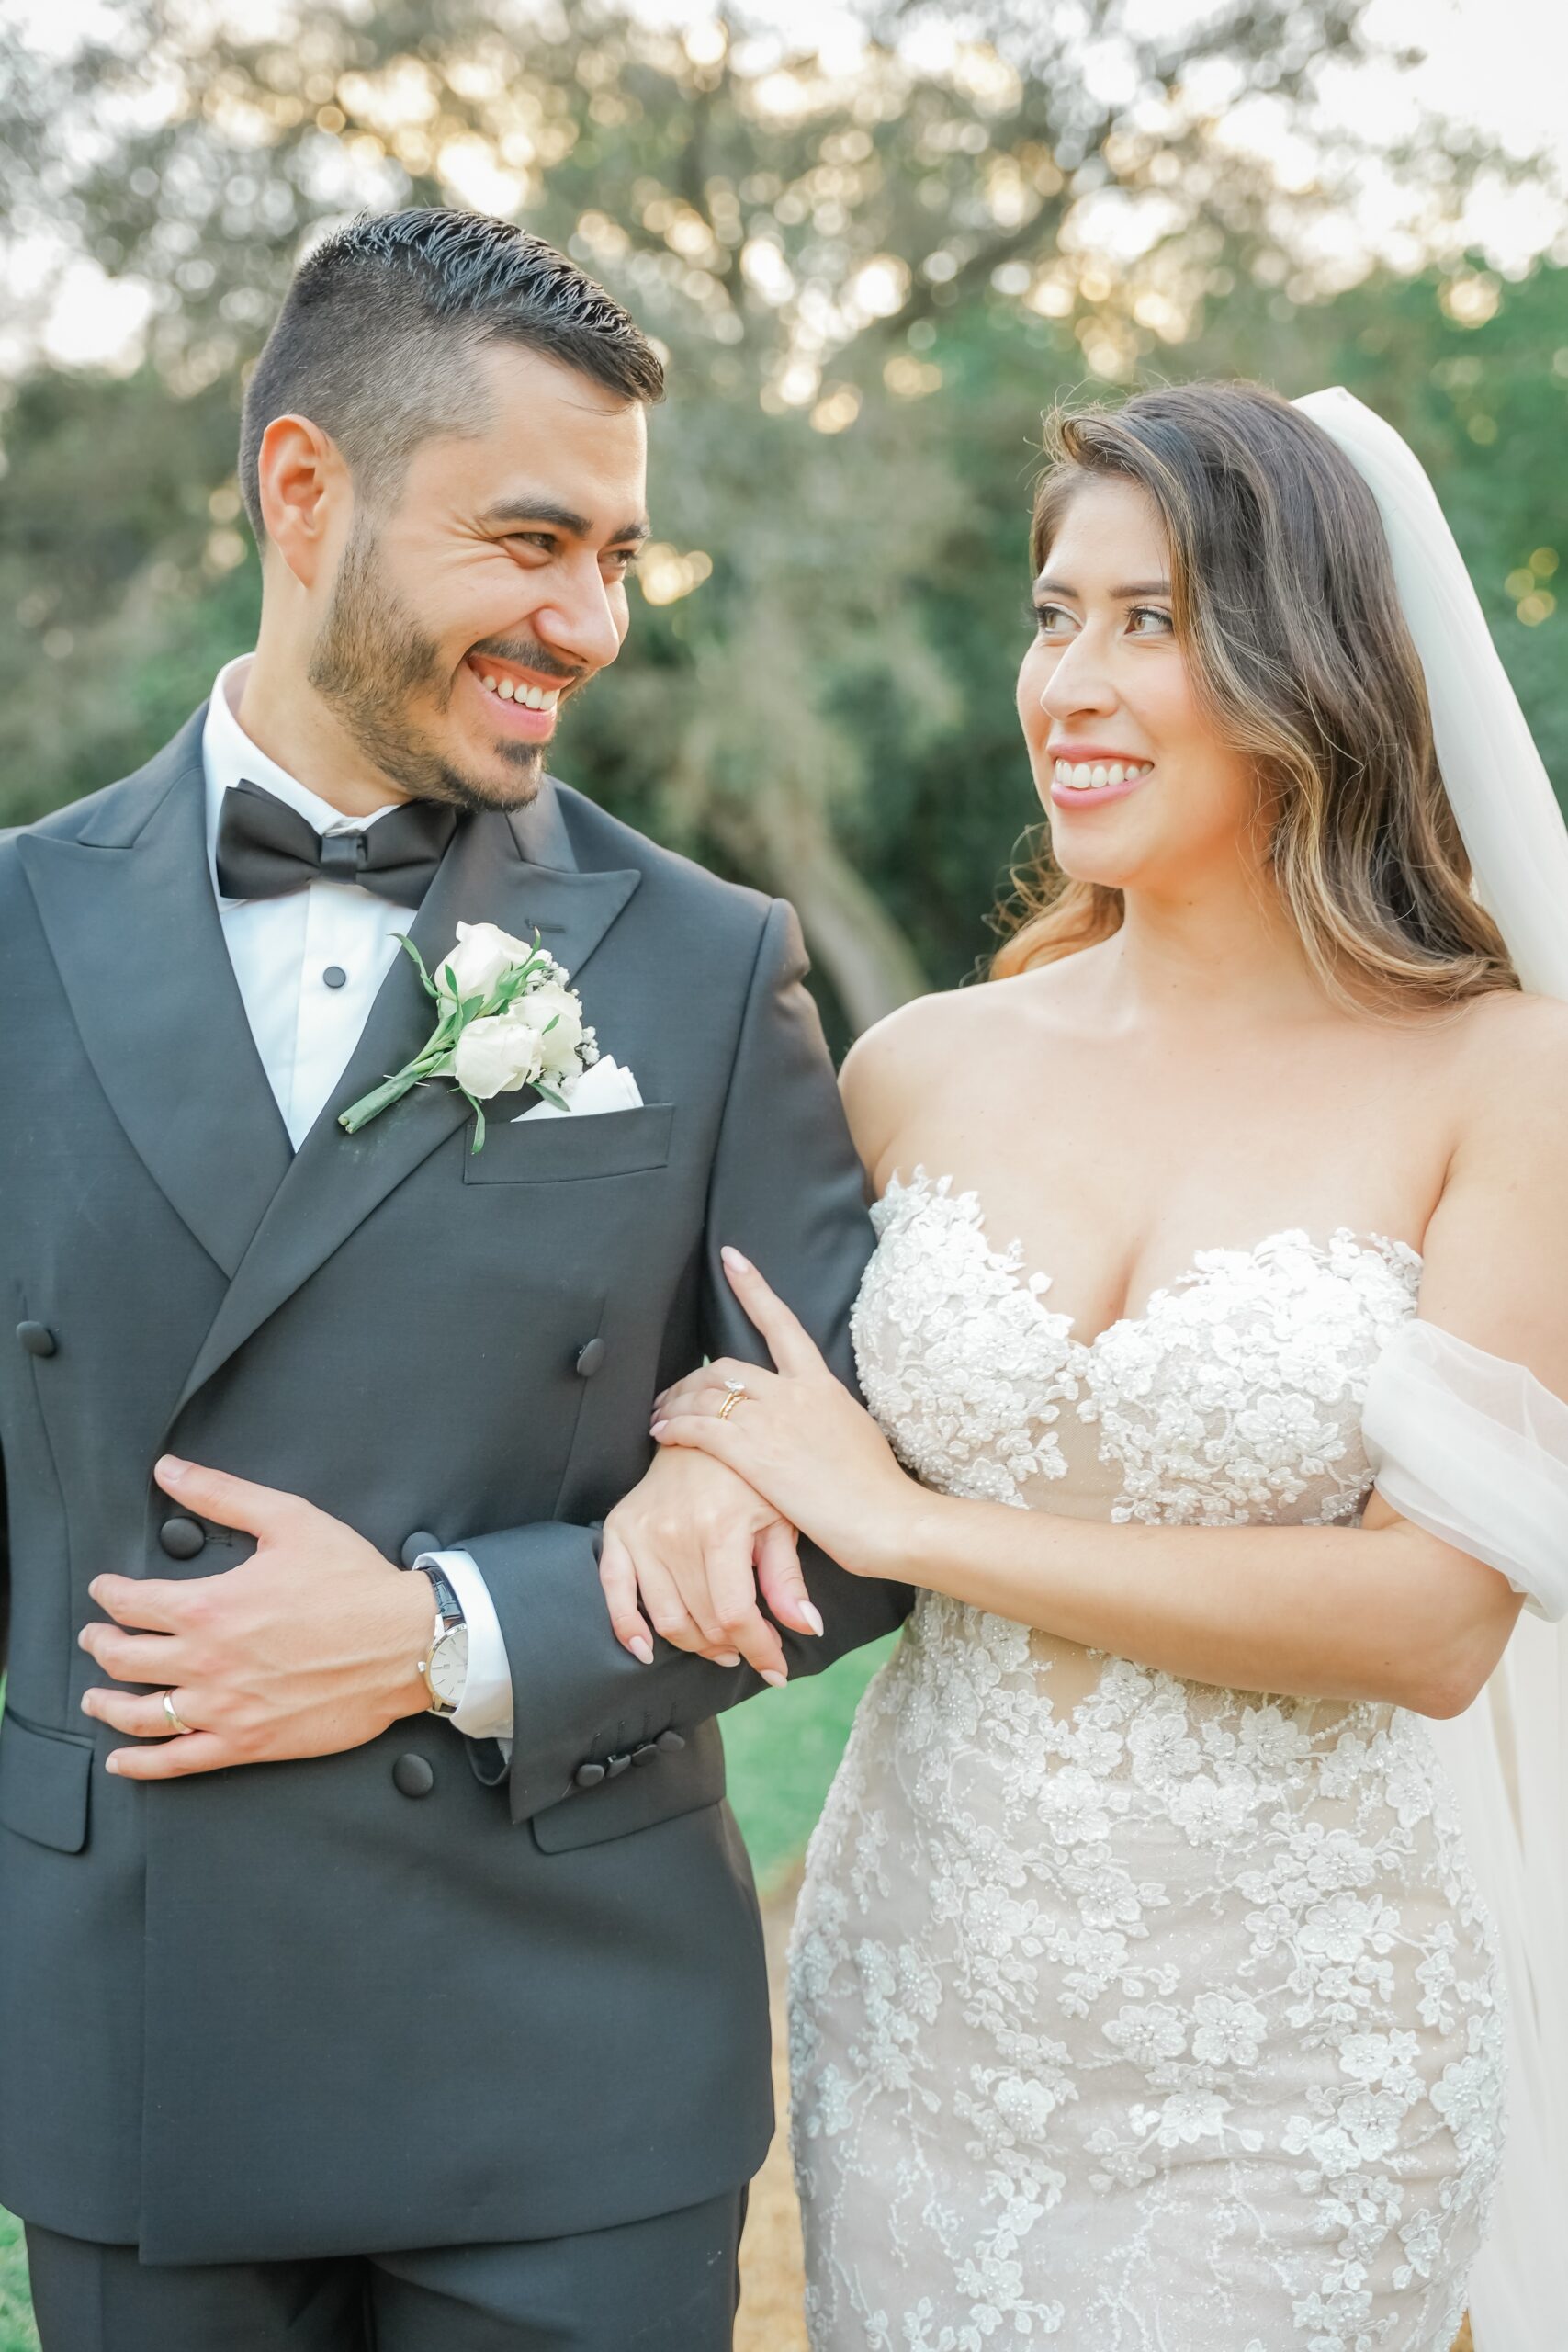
{"x":603,"y":1086}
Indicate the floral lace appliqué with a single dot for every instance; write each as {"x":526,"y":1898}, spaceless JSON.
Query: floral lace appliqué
{"x":1167,"y":2019}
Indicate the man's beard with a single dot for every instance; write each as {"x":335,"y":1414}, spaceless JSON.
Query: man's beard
{"x":371,"y":660}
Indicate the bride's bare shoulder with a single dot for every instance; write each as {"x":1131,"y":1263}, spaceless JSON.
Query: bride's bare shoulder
{"x":1512,"y":1055}
{"x":890,"y":1070}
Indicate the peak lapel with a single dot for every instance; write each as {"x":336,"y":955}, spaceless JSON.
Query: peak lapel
{"x":492,"y":873}
{"x":133,"y":927}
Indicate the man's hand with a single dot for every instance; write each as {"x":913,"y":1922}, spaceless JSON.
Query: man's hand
{"x":701,"y":1550}
{"x":308,"y":1648}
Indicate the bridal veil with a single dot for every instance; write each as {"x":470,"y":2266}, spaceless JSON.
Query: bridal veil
{"x":1475,"y":1450}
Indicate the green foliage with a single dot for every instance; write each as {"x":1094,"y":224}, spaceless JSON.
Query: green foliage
{"x":870,"y":284}
{"x":18,"y":2332}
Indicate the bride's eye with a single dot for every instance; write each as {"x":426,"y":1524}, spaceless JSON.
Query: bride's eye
{"x":1047,"y":620}
{"x":1167,"y":625}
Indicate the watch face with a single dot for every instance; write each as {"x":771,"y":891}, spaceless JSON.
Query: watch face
{"x":449,"y":1666}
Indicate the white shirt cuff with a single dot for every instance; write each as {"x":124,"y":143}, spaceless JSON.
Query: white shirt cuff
{"x":486,"y":1710}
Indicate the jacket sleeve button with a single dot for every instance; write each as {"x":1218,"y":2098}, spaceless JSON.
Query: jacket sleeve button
{"x":647,"y":1754}
{"x":181,"y":1539}
{"x":671,"y":1742}
{"x":36,"y":1339}
{"x":616,"y":1765}
{"x":587,"y":1776}
{"x":413,"y":1776}
{"x":590,"y":1357}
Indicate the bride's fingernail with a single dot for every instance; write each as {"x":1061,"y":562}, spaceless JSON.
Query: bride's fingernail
{"x":812,"y":1616}
{"x":659,"y":1429}
{"x":732,"y":1257}
{"x":777,"y":1679}
{"x":643,"y":1648}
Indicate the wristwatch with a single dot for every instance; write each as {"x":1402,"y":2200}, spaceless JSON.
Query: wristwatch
{"x":444,"y":1667}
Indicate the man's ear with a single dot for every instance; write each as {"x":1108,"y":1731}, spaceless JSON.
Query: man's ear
{"x":303,"y":484}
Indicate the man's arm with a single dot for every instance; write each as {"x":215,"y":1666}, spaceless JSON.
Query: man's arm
{"x":788,"y":1189}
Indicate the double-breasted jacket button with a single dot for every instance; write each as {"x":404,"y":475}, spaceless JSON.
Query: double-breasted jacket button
{"x":181,"y":1539}
{"x":421,"y":1541}
{"x":671,"y":1742}
{"x":37,"y":1337}
{"x":590,"y":1357}
{"x":413,"y":1775}
{"x":587,"y":1776}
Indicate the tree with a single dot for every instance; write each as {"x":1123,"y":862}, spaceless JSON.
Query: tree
{"x":870,"y":282}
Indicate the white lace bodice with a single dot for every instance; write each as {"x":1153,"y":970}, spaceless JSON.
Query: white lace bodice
{"x":1129,"y":2011}
{"x":1234,"y":1394}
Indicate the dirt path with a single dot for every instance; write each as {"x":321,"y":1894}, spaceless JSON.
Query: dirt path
{"x":770,"y":2255}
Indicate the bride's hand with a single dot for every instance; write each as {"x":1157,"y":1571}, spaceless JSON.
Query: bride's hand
{"x":796,"y":1435}
{"x":694,"y":1551}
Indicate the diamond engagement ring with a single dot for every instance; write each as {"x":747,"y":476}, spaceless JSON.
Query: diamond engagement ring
{"x":736,"y":1389}
{"x":176,"y":1720}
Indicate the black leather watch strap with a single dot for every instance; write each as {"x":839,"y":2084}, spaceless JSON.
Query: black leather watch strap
{"x":448,"y":1608}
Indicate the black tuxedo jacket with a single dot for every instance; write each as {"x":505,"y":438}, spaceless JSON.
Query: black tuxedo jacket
{"x":305,"y":2008}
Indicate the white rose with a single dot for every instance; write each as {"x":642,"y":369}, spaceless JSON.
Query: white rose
{"x":497,"y":1055}
{"x":554,"y":1003}
{"x":482,"y":953}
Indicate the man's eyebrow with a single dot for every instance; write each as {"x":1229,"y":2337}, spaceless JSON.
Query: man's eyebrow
{"x":565,"y":518}
{"x":1128,"y":589}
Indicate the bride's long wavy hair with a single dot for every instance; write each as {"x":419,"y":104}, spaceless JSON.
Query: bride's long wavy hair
{"x":1285,"y":602}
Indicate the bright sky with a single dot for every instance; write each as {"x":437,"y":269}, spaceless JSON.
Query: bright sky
{"x":1500,"y":65}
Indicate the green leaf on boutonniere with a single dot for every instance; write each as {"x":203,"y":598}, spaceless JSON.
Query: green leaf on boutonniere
{"x":406,"y":944}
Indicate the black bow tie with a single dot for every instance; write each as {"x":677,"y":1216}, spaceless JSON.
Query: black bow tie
{"x":266,"y":850}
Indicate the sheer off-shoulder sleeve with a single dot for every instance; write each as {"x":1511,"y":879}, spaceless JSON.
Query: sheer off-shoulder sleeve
{"x":1474,"y":1450}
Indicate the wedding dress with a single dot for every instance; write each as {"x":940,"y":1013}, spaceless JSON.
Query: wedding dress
{"x":1127,"y":2012}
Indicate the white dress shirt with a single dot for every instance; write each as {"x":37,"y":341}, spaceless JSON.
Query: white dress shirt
{"x":308,"y":967}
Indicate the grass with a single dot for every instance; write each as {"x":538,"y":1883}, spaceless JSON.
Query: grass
{"x":783,"y":1749}
{"x":18,"y":2332}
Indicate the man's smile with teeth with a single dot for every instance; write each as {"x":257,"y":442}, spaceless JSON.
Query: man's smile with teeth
{"x":1084,"y":775}
{"x":514,"y":690}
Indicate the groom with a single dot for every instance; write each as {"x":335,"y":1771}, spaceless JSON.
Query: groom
{"x":325,"y":2021}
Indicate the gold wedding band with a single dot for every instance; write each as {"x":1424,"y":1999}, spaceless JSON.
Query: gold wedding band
{"x":738,"y":1389}
{"x":176,"y":1720}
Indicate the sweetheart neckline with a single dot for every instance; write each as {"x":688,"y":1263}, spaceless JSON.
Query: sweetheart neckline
{"x":1024,"y":1279}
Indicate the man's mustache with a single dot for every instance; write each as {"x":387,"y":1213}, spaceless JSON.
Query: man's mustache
{"x":530,"y":656}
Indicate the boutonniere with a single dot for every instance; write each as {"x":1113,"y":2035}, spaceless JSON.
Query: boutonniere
{"x":507,"y":1019}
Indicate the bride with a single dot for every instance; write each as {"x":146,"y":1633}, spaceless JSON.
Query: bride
{"x":1143,"y":1996}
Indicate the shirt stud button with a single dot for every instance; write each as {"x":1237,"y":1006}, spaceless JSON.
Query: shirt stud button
{"x":334,"y":976}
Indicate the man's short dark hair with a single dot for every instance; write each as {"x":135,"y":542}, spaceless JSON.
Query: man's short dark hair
{"x":377,"y":334}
